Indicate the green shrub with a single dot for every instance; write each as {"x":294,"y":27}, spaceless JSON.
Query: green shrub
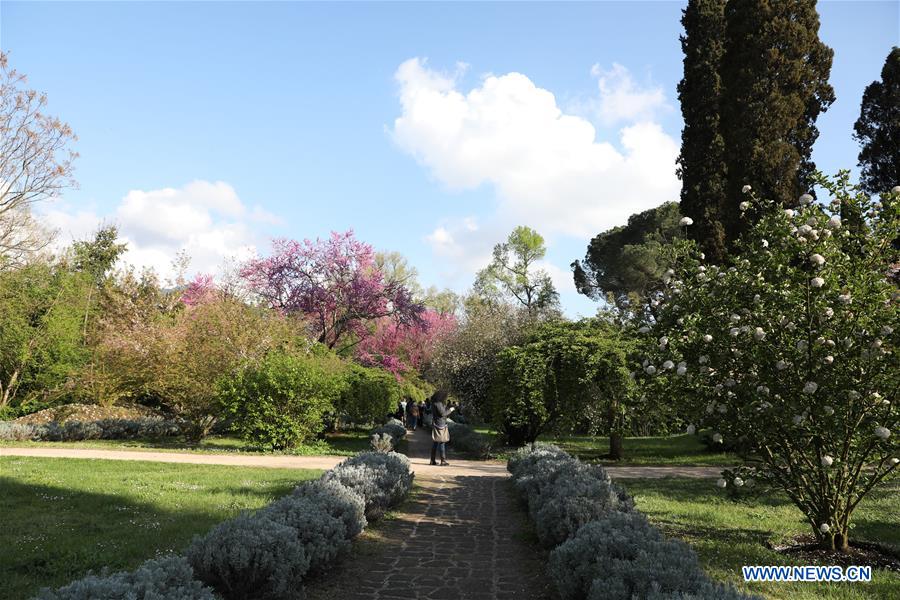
{"x":280,"y":401}
{"x":369,"y":395}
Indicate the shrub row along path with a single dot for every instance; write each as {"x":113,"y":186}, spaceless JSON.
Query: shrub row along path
{"x":475,"y":468}
{"x":461,"y":535}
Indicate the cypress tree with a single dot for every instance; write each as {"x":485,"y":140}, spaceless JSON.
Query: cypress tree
{"x":775,"y":78}
{"x":701,"y":164}
{"x":878,"y":129}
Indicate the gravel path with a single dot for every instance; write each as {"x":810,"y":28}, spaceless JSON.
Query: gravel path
{"x":472,"y":468}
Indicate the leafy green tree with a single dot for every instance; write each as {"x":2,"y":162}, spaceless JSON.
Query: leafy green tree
{"x":176,"y":357}
{"x":774,"y":76}
{"x":554,"y":378}
{"x":626,"y":264}
{"x":512,"y":273}
{"x":445,"y":302}
{"x":41,"y":343}
{"x":464,"y":362}
{"x":701,"y":164}
{"x":878,"y":129}
{"x":396,"y":269}
{"x":280,"y":401}
{"x":790,"y":349}
{"x":96,"y":258}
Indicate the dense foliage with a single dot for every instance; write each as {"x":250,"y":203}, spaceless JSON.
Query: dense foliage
{"x":466,"y":359}
{"x":791,"y":350}
{"x":42,"y":307}
{"x":280,"y":401}
{"x":177,"y":357}
{"x":701,"y":164}
{"x":878,"y":129}
{"x":755,"y":81}
{"x":775,"y":85}
{"x":369,"y":394}
{"x":624,"y":265}
{"x":560,"y":374}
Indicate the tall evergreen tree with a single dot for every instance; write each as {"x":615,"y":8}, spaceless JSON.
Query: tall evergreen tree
{"x":775,"y":78}
{"x":878,"y":129}
{"x":701,"y":164}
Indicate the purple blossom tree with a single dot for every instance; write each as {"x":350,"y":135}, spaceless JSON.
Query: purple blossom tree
{"x":335,"y":284}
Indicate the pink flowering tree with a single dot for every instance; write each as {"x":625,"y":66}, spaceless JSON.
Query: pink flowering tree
{"x":335,"y":283}
{"x":399,"y":347}
{"x":201,"y":290}
{"x":788,"y":353}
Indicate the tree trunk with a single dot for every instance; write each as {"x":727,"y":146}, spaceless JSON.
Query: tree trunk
{"x":616,"y":451}
{"x":615,"y":434}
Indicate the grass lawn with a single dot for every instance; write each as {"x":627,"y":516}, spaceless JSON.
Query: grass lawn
{"x":675,"y":450}
{"x":345,"y":443}
{"x":60,"y":518}
{"x":728,"y":534}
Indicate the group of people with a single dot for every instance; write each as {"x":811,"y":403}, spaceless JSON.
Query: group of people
{"x":433,"y":413}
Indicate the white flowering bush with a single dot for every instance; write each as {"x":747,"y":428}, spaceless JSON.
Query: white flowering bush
{"x":250,"y":557}
{"x":790,"y":350}
{"x":171,"y":578}
{"x":620,"y":557}
{"x":323,"y":536}
{"x":339,"y":501}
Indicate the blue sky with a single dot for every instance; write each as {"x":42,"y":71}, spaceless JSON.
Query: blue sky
{"x":431,"y":128}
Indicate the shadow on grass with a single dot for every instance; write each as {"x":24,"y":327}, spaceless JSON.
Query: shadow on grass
{"x":52,"y":535}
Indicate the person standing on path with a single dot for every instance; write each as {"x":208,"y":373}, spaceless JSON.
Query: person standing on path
{"x":412,"y":414}
{"x":440,"y":432}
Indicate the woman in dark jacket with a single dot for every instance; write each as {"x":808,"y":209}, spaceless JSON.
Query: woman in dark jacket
{"x":440,"y":432}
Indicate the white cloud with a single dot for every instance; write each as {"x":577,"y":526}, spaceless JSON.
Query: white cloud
{"x":622,"y":100}
{"x":205,"y":219}
{"x":547,"y":167}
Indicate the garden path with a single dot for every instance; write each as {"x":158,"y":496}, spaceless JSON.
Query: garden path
{"x":461,"y":536}
{"x":472,"y":468}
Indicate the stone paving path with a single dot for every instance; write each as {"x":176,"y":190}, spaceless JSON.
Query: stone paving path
{"x":463,"y":536}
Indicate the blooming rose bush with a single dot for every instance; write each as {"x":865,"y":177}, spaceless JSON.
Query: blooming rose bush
{"x":790,"y":349}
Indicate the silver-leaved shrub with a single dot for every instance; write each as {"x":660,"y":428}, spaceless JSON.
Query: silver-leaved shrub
{"x":170,"y":578}
{"x":620,"y":557}
{"x":322,"y":535}
{"x":250,"y":558}
{"x":382,"y":479}
{"x":339,"y":501}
